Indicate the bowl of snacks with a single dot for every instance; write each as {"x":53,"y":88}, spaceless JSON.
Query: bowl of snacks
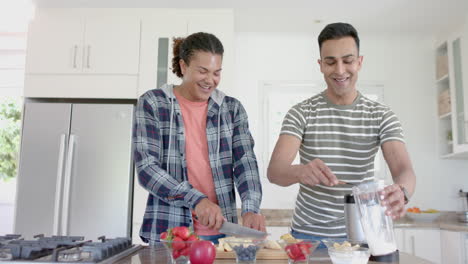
{"x":416,"y":214}
{"x":342,"y":251}
{"x":298,"y":250}
{"x":245,"y":248}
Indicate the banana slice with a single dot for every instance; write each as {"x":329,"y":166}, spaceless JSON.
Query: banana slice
{"x":271,"y":244}
{"x":345,"y":246}
{"x":222,"y":246}
{"x":288,"y":238}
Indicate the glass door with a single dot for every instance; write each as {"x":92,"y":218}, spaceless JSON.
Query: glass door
{"x":459,"y":96}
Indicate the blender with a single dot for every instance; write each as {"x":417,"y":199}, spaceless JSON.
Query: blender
{"x":463,"y":215}
{"x":354,"y":230}
{"x":377,"y":226}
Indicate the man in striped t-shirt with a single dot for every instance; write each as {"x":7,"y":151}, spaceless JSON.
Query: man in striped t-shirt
{"x":338,"y":133}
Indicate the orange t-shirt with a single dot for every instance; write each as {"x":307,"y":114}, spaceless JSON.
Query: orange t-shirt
{"x":196,"y":151}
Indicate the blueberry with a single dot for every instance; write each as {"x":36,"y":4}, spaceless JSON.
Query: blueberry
{"x":246,"y":252}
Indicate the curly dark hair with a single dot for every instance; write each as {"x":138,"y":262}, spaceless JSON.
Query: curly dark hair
{"x":185,"y":48}
{"x":337,"y":31}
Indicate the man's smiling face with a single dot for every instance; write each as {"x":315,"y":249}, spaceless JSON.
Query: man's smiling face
{"x":340,"y":63}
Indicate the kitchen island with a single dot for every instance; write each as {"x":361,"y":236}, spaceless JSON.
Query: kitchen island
{"x":158,"y":255}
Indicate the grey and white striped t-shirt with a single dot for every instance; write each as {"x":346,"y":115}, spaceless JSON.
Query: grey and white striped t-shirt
{"x":346,"y":138}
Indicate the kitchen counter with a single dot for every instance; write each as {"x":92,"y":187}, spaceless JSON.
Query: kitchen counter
{"x":158,"y":255}
{"x":446,"y":221}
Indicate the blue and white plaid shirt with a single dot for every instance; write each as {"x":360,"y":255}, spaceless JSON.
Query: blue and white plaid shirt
{"x":159,"y":141}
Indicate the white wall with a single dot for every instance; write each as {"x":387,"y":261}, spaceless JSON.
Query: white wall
{"x":404,"y":64}
{"x":7,"y":206}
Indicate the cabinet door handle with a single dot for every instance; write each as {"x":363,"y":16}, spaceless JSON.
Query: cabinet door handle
{"x":58,"y":186}
{"x":67,"y":186}
{"x":87,"y":57}
{"x":75,"y":51}
{"x":413,"y":250}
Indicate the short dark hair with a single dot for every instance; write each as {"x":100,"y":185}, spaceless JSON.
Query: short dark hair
{"x":337,"y":31}
{"x":185,"y":48}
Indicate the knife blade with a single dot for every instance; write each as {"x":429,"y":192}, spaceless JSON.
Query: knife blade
{"x":237,"y":230}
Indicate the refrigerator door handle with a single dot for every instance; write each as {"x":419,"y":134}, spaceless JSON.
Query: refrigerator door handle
{"x":66,"y":188}
{"x":58,"y":186}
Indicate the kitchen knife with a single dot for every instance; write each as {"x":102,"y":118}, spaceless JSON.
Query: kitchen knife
{"x":232,"y":229}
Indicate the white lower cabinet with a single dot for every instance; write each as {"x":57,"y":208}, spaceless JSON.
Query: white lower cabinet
{"x":400,"y":239}
{"x":453,"y":247}
{"x":423,"y":243}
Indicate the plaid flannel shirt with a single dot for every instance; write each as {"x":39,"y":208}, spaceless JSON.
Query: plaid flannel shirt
{"x":159,"y":141}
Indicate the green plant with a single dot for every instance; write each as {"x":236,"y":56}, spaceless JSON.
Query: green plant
{"x":10,"y":116}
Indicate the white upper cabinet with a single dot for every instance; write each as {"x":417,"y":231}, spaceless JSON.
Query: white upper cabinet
{"x":221,"y":24}
{"x":160,"y":26}
{"x":83,"y":53}
{"x":65,"y":41}
{"x":111,"y":45}
{"x":114,"y":52}
{"x":55,"y":43}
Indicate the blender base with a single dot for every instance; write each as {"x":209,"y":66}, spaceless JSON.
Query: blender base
{"x":393,"y":257}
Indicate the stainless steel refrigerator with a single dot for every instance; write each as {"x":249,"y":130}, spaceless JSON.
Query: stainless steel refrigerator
{"x":75,"y":170}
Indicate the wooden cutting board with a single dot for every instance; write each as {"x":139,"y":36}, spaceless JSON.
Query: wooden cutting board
{"x":263,"y":253}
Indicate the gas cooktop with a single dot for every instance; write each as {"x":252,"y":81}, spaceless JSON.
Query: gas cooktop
{"x":69,"y":249}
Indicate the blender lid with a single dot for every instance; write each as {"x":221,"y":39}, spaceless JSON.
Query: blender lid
{"x":349,"y":199}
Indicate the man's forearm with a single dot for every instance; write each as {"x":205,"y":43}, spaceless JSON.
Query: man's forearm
{"x":407,"y":179}
{"x":284,"y":175}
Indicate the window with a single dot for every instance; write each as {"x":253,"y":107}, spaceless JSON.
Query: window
{"x":12,"y":63}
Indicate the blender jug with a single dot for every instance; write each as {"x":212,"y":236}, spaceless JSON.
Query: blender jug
{"x":377,"y":227}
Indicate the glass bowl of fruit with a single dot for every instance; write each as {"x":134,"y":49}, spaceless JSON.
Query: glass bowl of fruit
{"x":179,"y":241}
{"x":298,"y":250}
{"x":245,"y":248}
{"x":342,"y":251}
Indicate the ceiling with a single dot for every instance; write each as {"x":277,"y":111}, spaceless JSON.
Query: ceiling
{"x":388,"y":16}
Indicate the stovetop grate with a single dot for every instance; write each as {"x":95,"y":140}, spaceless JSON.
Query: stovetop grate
{"x":62,"y":249}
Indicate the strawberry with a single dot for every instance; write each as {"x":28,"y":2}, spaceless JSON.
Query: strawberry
{"x":301,"y":257}
{"x":185,"y":251}
{"x":178,"y":243}
{"x":175,"y":254}
{"x":192,"y":237}
{"x":305,"y":246}
{"x":163,"y":235}
{"x":293,"y":251}
{"x":181,"y":231}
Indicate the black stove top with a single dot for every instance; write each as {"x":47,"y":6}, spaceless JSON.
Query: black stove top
{"x":69,"y":249}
